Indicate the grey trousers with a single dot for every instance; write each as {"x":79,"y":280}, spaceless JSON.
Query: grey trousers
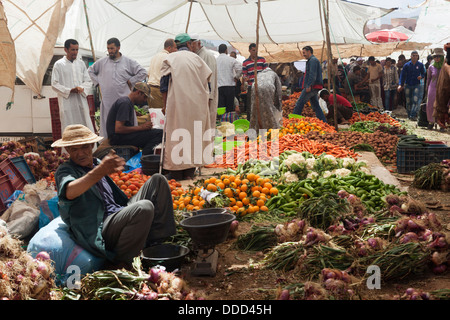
{"x":148,"y":217}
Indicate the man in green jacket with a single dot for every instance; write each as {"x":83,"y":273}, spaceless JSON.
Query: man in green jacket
{"x":100,"y":217}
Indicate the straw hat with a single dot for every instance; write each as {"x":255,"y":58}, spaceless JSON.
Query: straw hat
{"x":76,"y":134}
{"x":438,"y":52}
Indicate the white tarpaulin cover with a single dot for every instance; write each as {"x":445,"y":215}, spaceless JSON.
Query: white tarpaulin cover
{"x":433,"y":25}
{"x":7,"y":56}
{"x":34,"y":27}
{"x":143,"y":25}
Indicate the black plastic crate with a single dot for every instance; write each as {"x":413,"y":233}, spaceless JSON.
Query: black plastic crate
{"x":411,"y":159}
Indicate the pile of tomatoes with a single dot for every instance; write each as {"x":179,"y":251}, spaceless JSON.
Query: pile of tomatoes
{"x":130,"y":183}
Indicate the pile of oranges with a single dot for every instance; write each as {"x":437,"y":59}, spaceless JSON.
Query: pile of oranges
{"x":244,"y":194}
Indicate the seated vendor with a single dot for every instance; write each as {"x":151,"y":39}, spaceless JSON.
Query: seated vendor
{"x":100,"y":217}
{"x":121,"y":124}
{"x":344,"y":107}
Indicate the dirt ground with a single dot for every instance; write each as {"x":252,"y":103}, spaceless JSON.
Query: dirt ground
{"x":237,"y":278}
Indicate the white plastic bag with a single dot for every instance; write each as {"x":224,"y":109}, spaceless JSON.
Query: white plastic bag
{"x":157,"y":117}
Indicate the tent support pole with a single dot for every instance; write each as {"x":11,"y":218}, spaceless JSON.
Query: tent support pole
{"x":330,"y":67}
{"x":256,"y":68}
{"x":89,"y":29}
{"x":189,"y":16}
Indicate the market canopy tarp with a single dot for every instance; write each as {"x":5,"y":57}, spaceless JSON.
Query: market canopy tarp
{"x":142,"y":26}
{"x":285,"y":53}
{"x":7,"y":55}
{"x":34,"y":27}
{"x":433,"y":24}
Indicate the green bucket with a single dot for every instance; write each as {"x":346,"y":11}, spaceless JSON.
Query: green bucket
{"x":221,"y":111}
{"x":241,"y":125}
{"x":292,"y":115}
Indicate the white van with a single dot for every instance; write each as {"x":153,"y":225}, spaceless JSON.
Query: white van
{"x":30,"y":113}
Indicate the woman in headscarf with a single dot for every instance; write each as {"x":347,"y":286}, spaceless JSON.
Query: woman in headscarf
{"x":432,"y":77}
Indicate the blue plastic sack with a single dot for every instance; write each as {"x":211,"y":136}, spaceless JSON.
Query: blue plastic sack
{"x":134,"y":162}
{"x":17,"y":195}
{"x":49,"y":211}
{"x":55,"y":239}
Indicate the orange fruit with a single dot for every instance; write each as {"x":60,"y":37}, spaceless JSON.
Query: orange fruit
{"x":239,"y":204}
{"x":228,"y":192}
{"x":212,"y":180}
{"x":260,"y":181}
{"x":264,"y":208}
{"x":221,"y":185}
{"x":211,"y":187}
{"x":265,"y":190}
{"x":273,"y":191}
{"x":260,"y":203}
{"x":232,"y":201}
{"x":242,"y":195}
{"x":256,"y":194}
{"x":251,"y":177}
{"x":244,"y":187}
{"x":246,"y":201}
{"x":267,"y":185}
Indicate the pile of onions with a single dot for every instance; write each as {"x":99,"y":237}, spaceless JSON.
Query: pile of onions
{"x":12,"y":149}
{"x":364,"y":247}
{"x":290,"y":231}
{"x":41,"y":167}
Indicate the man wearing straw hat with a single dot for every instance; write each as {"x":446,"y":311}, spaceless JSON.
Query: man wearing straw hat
{"x":100,"y":217}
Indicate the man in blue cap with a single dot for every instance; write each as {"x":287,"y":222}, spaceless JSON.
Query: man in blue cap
{"x":186,"y":90}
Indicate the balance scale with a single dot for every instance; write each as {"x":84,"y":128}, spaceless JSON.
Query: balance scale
{"x":207,"y":229}
{"x":206,"y":263}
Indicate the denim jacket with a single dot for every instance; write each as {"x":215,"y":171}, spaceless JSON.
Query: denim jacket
{"x":313,"y":74}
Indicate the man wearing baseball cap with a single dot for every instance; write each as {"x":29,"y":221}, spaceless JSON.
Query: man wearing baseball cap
{"x":101,"y":218}
{"x":121,"y":124}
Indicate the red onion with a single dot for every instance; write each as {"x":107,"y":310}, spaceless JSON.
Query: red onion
{"x":43,"y":256}
{"x":342,"y":194}
{"x":427,"y":235}
{"x":373,"y":243}
{"x":362,"y":251}
{"x":409,"y":237}
{"x":43,"y":269}
{"x":233,"y":228}
{"x":409,"y":291}
{"x":284,"y":295}
{"x":425,"y":296}
{"x":352,"y":199}
{"x":154,"y":274}
{"x":440,"y":269}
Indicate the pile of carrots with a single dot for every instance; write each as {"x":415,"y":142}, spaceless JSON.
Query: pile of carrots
{"x":266,"y":150}
{"x":374,"y":116}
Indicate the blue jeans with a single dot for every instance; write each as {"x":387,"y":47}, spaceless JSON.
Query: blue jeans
{"x":314,"y":99}
{"x":388,"y":98}
{"x":413,"y":99}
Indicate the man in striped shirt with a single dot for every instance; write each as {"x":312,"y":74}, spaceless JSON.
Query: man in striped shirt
{"x":248,"y":72}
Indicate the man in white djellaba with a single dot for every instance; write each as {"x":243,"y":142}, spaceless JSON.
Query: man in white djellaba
{"x":71,"y":82}
{"x":116,"y":75}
